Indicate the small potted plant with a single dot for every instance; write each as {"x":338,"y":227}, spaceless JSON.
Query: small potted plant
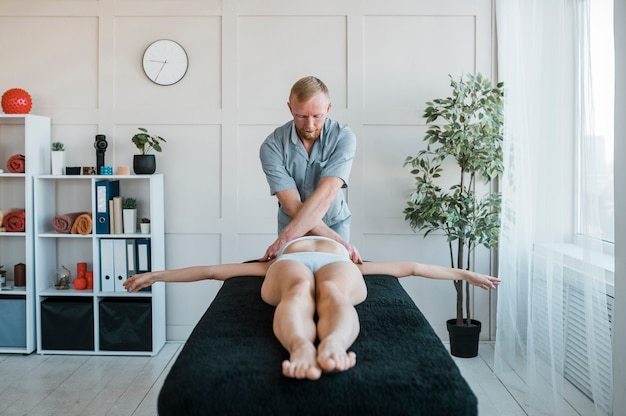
{"x":145,"y":163}
{"x":129,"y":213}
{"x":144,"y":225}
{"x":57,"y":158}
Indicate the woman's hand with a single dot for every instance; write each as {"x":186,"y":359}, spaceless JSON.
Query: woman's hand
{"x":483,"y":281}
{"x":139,"y":281}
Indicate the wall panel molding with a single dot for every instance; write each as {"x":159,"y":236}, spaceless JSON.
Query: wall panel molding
{"x":81,"y":62}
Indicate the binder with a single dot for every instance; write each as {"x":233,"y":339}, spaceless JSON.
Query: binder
{"x":131,"y":260}
{"x":105,"y":191}
{"x":120,"y":264}
{"x":131,"y":257}
{"x":144,"y":264}
{"x":143,"y":255}
{"x":107,"y":271}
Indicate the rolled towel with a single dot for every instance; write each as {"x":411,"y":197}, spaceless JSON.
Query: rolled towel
{"x":82,"y":224}
{"x":3,"y":213}
{"x":15,"y":221}
{"x":62,"y":223}
{"x":16,"y":164}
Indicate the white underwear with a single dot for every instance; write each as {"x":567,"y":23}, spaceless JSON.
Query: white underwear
{"x":314,"y":260}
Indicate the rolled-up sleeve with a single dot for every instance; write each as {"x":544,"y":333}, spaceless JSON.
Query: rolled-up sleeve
{"x":339,"y":162}
{"x":272,"y":157}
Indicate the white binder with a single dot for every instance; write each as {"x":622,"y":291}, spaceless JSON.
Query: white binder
{"x":120,"y":264}
{"x":107,"y":272}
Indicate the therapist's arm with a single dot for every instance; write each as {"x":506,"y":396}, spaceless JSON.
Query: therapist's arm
{"x":307,"y":216}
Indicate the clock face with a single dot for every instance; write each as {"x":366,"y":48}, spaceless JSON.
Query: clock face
{"x":165,"y":62}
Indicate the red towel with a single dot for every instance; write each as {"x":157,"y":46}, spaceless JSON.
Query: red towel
{"x":62,"y":223}
{"x":15,"y":221}
{"x":16,"y":164}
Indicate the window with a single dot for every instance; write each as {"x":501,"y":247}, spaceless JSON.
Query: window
{"x":596,"y":151}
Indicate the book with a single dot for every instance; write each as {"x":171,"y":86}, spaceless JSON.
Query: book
{"x":117,"y":214}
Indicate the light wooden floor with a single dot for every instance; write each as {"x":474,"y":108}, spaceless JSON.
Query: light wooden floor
{"x":494,"y":398}
{"x":85,"y":385}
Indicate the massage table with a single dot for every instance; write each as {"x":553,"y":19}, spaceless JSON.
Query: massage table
{"x":231,"y":363}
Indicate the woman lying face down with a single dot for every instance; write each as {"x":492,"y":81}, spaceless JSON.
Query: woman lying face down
{"x":312,"y":276}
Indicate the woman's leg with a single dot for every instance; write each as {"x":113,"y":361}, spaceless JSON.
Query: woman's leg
{"x":339,"y":286}
{"x":290,"y":286}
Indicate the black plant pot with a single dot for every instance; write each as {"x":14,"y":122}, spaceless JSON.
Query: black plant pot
{"x":464,"y":339}
{"x":144,"y":164}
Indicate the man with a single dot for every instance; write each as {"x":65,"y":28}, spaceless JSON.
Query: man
{"x":307,"y":162}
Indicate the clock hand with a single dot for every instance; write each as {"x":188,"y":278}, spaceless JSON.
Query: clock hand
{"x":159,"y":73}
{"x":154,"y":60}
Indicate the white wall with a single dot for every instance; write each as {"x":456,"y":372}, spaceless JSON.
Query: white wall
{"x":81,"y":62}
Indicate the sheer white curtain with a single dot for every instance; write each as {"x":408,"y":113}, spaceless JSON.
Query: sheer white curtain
{"x":553,"y":330}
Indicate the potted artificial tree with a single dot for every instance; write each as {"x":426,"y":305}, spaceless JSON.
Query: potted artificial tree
{"x":470,"y":132}
{"x":145,"y":163}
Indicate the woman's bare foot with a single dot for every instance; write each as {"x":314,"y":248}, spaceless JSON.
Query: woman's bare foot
{"x":332,"y":357}
{"x":302,"y":363}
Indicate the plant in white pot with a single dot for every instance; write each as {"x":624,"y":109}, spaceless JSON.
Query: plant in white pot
{"x":144,"y":225}
{"x":470,"y":132}
{"x":145,"y":162}
{"x":129,"y":215}
{"x":57,"y":158}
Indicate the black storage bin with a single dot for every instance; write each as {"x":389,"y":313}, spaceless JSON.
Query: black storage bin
{"x":13,"y":321}
{"x":67,"y":324}
{"x":125,"y":324}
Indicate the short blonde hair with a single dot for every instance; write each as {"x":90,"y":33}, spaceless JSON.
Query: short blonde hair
{"x":306,"y":88}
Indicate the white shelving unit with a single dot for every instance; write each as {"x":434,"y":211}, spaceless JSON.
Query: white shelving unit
{"x":28,"y":135}
{"x":95,"y":321}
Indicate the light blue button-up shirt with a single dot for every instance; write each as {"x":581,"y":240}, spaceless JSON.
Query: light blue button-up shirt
{"x":287,"y":166}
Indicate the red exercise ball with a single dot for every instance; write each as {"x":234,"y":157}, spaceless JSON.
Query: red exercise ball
{"x":16,"y":101}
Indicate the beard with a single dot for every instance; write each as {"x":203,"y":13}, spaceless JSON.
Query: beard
{"x":306,"y":134}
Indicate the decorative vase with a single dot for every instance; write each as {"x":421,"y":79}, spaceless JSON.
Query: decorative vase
{"x":130,"y":220}
{"x":16,"y":101}
{"x":62,"y":278}
{"x":57,"y":160}
{"x":144,"y":164}
{"x":80,"y":282}
{"x":464,"y":338}
{"x":89,"y":278}
{"x":19,"y":275}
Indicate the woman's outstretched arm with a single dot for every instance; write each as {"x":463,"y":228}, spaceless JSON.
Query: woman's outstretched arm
{"x":432,"y":271}
{"x":195,"y":273}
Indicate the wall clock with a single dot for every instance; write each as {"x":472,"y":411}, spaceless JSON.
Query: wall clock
{"x":165,"y":62}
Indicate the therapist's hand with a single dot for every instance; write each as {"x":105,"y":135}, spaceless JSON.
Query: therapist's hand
{"x":272,"y":250}
{"x":355,"y":256}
